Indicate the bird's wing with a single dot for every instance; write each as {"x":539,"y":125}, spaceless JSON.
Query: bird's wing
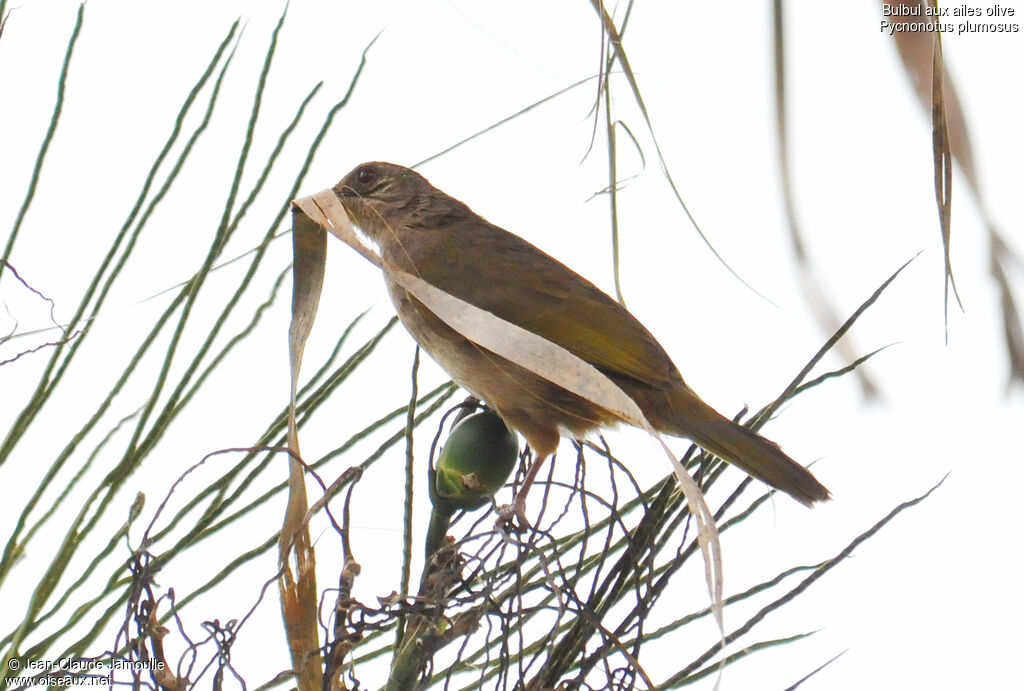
{"x":507,"y":276}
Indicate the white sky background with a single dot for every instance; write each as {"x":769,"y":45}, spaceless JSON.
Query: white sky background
{"x":932,"y":602}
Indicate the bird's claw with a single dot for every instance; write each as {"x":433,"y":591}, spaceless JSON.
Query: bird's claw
{"x":512,"y":517}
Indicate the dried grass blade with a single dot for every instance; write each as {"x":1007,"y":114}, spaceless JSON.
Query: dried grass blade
{"x":297,"y":581}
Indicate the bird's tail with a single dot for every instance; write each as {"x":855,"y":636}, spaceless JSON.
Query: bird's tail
{"x":686,"y":415}
{"x":758,"y":457}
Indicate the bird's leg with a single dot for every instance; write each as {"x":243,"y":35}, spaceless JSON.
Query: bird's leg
{"x":542,"y":439}
{"x":519,"y":500}
{"x":514,"y":514}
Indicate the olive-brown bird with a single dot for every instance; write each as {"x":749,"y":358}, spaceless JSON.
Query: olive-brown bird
{"x":422,"y":231}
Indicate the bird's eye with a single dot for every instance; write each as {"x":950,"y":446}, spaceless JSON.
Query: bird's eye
{"x":365,"y":176}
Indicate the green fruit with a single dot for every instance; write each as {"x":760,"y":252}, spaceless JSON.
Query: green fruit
{"x":475,"y":462}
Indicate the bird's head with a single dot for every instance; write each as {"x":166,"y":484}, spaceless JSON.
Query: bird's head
{"x":377,"y":195}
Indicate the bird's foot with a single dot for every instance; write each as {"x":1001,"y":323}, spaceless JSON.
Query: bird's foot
{"x":512,"y":517}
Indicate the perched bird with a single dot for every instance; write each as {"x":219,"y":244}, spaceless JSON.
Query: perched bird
{"x":421,"y":230}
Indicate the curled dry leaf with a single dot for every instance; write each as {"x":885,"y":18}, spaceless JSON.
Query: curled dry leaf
{"x":296,"y":556}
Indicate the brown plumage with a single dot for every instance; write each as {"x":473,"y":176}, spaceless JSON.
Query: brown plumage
{"x":423,"y":231}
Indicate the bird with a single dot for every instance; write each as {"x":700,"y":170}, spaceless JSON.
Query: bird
{"x":423,"y":231}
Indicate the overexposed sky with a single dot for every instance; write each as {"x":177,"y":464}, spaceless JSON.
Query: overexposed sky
{"x":931,"y":602}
